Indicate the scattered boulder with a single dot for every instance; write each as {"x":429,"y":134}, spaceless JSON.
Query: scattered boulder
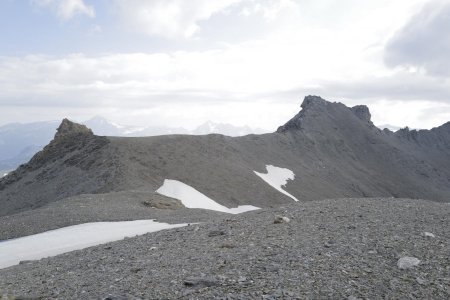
{"x":281,"y":219}
{"x":200,"y":282}
{"x":162,"y":202}
{"x":407,"y":262}
{"x":214,"y":233}
{"x":428,"y":234}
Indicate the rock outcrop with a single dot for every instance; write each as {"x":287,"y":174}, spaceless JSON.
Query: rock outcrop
{"x":69,"y":129}
{"x":362,"y":112}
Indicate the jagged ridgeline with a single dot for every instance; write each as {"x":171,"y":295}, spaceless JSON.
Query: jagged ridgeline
{"x":333,"y":150}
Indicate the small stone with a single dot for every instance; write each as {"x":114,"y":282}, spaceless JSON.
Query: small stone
{"x":420,"y":280}
{"x":200,"y":282}
{"x":136,"y":270}
{"x":281,"y":219}
{"x":428,"y":234}
{"x":216,"y":233}
{"x":407,"y":262}
{"x":25,"y":262}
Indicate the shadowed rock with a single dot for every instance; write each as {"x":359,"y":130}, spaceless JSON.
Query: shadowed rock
{"x":362,"y":112}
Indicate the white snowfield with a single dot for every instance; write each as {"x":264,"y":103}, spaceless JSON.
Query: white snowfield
{"x":72,"y":238}
{"x":191,"y":198}
{"x":277,"y":178}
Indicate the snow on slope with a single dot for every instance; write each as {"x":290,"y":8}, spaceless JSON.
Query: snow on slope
{"x":277,"y":178}
{"x":72,"y":238}
{"x":191,"y":198}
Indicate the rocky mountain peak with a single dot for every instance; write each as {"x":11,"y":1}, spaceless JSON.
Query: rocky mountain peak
{"x":362,"y":112}
{"x":310,"y":104}
{"x":69,"y":128}
{"x":313,"y":101}
{"x":318,"y":113}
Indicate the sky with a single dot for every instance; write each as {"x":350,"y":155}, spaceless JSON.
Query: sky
{"x":179,"y":63}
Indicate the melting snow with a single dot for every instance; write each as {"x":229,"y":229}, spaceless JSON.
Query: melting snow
{"x":277,"y":178}
{"x":72,"y":238}
{"x":191,"y":198}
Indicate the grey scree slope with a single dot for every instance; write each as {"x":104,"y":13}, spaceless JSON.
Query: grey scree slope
{"x":331,"y":249}
{"x":334,"y":151}
{"x":342,"y":248}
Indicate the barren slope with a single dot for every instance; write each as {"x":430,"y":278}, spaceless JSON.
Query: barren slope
{"x":334,"y":151}
{"x":330,"y":249}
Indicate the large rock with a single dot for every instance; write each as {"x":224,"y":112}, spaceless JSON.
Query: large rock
{"x":71,"y":129}
{"x":407,"y":262}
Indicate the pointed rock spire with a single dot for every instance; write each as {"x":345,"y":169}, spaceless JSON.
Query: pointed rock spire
{"x":69,"y":128}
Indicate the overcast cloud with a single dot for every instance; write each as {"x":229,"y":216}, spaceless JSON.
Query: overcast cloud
{"x":244,"y":62}
{"x":423,"y":44}
{"x":67,"y":9}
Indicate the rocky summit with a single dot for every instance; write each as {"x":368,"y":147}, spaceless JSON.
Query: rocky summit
{"x":347,"y":211}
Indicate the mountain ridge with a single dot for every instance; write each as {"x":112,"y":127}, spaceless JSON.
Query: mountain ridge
{"x":333,"y":150}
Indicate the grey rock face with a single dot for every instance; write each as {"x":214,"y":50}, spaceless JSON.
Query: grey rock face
{"x":362,"y":112}
{"x":71,"y":129}
{"x":309,"y":105}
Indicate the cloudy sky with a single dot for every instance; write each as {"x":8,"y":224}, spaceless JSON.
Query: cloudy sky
{"x":245,"y":62}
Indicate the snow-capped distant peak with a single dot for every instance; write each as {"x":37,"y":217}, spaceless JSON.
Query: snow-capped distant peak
{"x":210,"y":127}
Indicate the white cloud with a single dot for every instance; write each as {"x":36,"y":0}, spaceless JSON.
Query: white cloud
{"x":175,"y":19}
{"x":169,"y":18}
{"x":267,"y":78}
{"x":423,"y":44}
{"x":256,"y":82}
{"x":268,"y":9}
{"x":67,"y":9}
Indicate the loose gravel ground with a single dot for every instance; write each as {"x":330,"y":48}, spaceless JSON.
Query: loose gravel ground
{"x":119,"y":206}
{"x":330,"y":249}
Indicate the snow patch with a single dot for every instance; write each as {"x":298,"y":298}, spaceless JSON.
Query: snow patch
{"x":72,"y":238}
{"x":277,"y":178}
{"x":191,"y":198}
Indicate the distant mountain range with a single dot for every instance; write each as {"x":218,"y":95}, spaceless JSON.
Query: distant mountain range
{"x":20,"y":141}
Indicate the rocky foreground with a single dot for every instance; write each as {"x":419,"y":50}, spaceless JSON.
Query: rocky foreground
{"x":333,"y":249}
